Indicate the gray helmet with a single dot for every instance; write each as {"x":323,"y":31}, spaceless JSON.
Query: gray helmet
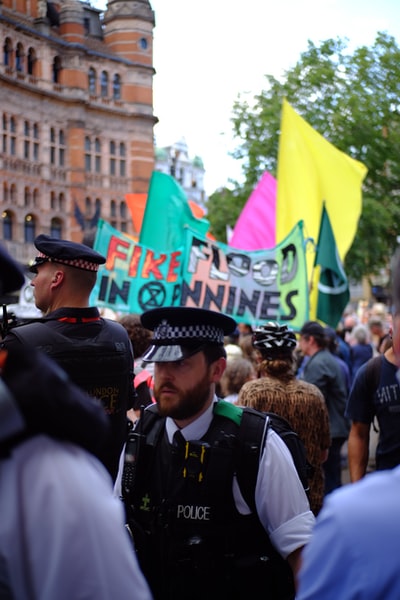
{"x":274,"y":337}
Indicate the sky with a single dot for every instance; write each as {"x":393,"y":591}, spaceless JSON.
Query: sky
{"x":208,"y":52}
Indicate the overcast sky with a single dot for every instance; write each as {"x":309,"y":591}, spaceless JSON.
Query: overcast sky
{"x":208,"y":52}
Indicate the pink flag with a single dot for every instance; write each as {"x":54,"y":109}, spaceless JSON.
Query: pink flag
{"x":255,"y":228}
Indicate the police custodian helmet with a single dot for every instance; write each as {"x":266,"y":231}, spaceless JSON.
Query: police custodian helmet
{"x":180,"y":332}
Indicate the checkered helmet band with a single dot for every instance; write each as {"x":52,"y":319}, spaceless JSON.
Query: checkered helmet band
{"x":79,"y":263}
{"x":170,"y":334}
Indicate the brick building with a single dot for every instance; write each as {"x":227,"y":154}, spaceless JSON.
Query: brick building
{"x":76,"y":122}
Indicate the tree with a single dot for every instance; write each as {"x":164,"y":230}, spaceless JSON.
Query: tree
{"x":353,"y":100}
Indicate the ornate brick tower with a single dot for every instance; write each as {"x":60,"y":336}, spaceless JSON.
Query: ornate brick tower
{"x":76,"y":117}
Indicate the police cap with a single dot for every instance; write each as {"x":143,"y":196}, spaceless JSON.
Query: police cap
{"x":11,"y":273}
{"x":180,"y":332}
{"x":67,"y":253}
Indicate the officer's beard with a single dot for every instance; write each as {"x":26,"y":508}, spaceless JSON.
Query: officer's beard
{"x":184,"y":404}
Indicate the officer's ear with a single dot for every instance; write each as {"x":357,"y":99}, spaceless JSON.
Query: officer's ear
{"x":58,"y":277}
{"x":217,"y":368}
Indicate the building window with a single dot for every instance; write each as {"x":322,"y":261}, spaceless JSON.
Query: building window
{"x":7,"y":225}
{"x":97,"y":156}
{"x":56,"y":228}
{"x":19,"y":58}
{"x":7,"y":52}
{"x":57,"y":147}
{"x":61,"y":202}
{"x":122,"y":210}
{"x":56,"y":69}
{"x":143,"y":43}
{"x":112,"y":158}
{"x":104,"y":84}
{"x":88,"y":154}
{"x":122,"y":161}
{"x":29,"y":229}
{"x":13,"y":138}
{"x":13,"y":193}
{"x":92,"y":81}
{"x":5,"y":192}
{"x":88,"y":206}
{"x":117,"y":87}
{"x":31,"y":61}
{"x":113,"y":208}
{"x":27,"y":197}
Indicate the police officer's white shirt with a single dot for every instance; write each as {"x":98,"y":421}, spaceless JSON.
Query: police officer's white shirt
{"x":281,"y":502}
{"x":62,"y":532}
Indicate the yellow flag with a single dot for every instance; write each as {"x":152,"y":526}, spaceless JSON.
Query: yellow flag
{"x":312,"y":171}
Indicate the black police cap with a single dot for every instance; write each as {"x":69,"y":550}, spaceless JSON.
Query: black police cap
{"x":180,"y":332}
{"x":66,"y":253}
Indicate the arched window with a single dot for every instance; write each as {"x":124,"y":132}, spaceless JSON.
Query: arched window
{"x":56,"y":69}
{"x":113,"y":208}
{"x":88,"y":205}
{"x":36,"y":198}
{"x":29,"y":228}
{"x":122,"y":209}
{"x":27,"y":196}
{"x":53,"y":200}
{"x":5,"y":192}
{"x":56,"y":228}
{"x":117,"y":87}
{"x":13,"y":193}
{"x":31,"y":61}
{"x":7,"y":225}
{"x":92,"y":81}
{"x":7,"y":52}
{"x":104,"y":84}
{"x":61,"y":202}
{"x":19,"y":57}
{"x":97,"y":206}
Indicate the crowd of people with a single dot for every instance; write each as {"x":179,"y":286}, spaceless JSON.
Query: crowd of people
{"x":138,"y":458}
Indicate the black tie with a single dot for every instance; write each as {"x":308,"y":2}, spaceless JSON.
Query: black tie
{"x":178,"y":440}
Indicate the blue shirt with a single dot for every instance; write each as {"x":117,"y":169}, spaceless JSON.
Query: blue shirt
{"x":354,"y":551}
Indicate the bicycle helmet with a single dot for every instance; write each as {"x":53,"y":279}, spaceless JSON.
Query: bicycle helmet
{"x":274,"y":337}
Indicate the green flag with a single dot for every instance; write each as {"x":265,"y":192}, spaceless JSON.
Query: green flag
{"x":333,"y":287}
{"x":167,"y":214}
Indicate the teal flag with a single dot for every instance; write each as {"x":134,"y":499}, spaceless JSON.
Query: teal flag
{"x":167,"y":214}
{"x":333,"y":287}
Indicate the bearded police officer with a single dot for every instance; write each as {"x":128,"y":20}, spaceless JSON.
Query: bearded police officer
{"x":95,"y":352}
{"x":213,"y":500}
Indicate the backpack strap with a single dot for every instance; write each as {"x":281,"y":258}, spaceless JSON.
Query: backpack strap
{"x":253,"y":426}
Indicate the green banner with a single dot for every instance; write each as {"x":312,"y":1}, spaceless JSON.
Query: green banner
{"x":253,"y":287}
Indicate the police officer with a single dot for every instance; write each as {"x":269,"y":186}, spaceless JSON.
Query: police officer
{"x":214,"y":503}
{"x":95,"y":352}
{"x":62,"y":532}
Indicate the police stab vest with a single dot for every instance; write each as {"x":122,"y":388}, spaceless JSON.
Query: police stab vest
{"x":101,"y":365}
{"x":190,"y":539}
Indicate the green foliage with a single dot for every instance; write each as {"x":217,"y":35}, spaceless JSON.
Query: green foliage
{"x":353,"y":100}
